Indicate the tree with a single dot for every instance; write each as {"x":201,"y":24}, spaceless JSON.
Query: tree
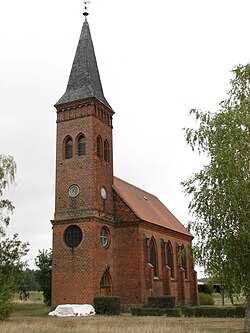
{"x":43,"y":274}
{"x":220,"y":191}
{"x":7,"y":177}
{"x":29,"y":280}
{"x":11,"y":249}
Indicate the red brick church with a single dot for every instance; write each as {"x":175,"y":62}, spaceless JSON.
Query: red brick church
{"x":109,"y":237}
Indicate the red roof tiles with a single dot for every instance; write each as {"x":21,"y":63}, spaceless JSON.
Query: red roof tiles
{"x":148,"y":207}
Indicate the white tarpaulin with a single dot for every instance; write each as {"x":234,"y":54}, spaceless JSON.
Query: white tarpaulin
{"x":73,"y":310}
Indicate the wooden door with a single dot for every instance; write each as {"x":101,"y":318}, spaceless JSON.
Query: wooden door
{"x":105,"y":285}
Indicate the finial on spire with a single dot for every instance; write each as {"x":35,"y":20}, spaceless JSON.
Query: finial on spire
{"x":86,"y":3}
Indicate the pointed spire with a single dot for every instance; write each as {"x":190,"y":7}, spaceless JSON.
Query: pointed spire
{"x":84,"y":80}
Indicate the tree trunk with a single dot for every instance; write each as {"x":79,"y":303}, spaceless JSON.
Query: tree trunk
{"x":247,"y":316}
{"x":223,"y":296}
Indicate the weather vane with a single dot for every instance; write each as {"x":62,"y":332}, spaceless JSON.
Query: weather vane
{"x":86,"y":3}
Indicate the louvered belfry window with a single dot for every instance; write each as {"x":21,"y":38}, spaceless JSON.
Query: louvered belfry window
{"x":99,"y":148}
{"x":68,"y":148}
{"x":106,"y":151}
{"x":81,"y":145}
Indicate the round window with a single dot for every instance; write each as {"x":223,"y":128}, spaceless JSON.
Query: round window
{"x":104,"y":237}
{"x":73,"y":236}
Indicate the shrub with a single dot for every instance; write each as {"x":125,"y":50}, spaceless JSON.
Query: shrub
{"x":109,"y":305}
{"x":188,"y":311}
{"x":6,"y":307}
{"x":205,"y":299}
{"x":214,"y":312}
{"x":147,"y":312}
{"x":176,"y":312}
{"x":161,"y":302}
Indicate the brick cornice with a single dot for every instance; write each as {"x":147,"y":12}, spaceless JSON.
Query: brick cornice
{"x":84,"y":108}
{"x":151,"y":226}
{"x":83,"y":214}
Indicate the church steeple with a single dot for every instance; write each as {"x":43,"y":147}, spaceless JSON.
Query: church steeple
{"x":84,"y":80}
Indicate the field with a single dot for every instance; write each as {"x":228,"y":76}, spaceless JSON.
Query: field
{"x":120,"y":324}
{"x":32,"y":317}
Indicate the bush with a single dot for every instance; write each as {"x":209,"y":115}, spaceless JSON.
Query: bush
{"x":147,"y":312}
{"x":214,"y":312}
{"x":6,"y":308}
{"x":108,"y":305}
{"x":6,"y":294}
{"x":161,"y":302}
{"x":205,"y":299}
{"x":176,"y":312}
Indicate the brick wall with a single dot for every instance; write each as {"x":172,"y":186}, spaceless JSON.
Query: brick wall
{"x":77,"y":272}
{"x":134,"y":274}
{"x":88,"y":171}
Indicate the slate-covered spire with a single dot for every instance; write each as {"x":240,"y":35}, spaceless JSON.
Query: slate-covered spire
{"x":84,"y":80}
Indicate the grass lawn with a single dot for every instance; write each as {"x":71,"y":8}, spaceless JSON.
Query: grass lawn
{"x":32,"y":318}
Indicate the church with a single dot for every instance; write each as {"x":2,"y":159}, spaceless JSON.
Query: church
{"x":109,"y":237}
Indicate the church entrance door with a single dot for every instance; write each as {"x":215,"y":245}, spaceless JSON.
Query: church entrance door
{"x":105,"y":285}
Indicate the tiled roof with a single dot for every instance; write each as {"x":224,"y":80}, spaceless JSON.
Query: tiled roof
{"x":148,"y":207}
{"x":84,"y":80}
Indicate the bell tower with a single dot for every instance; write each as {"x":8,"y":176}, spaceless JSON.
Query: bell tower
{"x":84,"y":179}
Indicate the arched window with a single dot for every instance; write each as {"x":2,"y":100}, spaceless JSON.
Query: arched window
{"x":68,"y":147}
{"x":81,"y":145}
{"x":105,"y":284}
{"x":184,"y":260}
{"x":99,"y":147}
{"x":170,"y":259}
{"x":153,"y":255}
{"x":106,"y":151}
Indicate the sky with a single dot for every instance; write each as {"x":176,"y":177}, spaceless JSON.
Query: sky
{"x":157,"y":60}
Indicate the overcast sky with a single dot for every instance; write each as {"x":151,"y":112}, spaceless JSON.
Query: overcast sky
{"x":157,"y":60}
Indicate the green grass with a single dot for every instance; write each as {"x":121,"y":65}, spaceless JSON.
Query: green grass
{"x":237,"y":299}
{"x":34,"y":297}
{"x":30,"y":310}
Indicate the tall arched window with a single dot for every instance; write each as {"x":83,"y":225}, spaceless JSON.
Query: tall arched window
{"x":106,"y":151}
{"x":81,"y":145}
{"x":153,"y":255}
{"x":184,"y":260}
{"x":99,"y":146}
{"x":68,"y":147}
{"x":170,"y":259}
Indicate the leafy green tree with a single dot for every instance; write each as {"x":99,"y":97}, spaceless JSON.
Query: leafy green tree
{"x":11,"y":249}
{"x":44,"y":273}
{"x":29,"y":280}
{"x":220,"y":191}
